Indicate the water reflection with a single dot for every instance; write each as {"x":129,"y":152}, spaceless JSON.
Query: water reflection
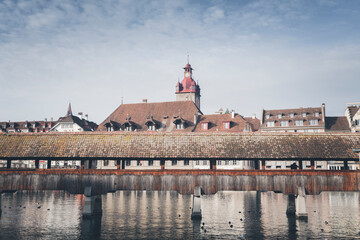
{"x":157,"y":215}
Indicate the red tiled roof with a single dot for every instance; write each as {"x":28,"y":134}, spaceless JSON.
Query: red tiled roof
{"x":215,"y":123}
{"x":163,"y":112}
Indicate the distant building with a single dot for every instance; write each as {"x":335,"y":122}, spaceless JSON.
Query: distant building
{"x":294,"y":120}
{"x":71,"y":123}
{"x":26,"y":126}
{"x":352,"y":114}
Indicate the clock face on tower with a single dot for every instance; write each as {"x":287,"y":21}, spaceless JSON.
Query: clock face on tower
{"x":187,"y":74}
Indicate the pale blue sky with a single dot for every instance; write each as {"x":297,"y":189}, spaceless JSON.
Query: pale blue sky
{"x":247,"y":55}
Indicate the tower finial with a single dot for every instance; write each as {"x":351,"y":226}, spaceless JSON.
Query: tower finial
{"x":69,"y":111}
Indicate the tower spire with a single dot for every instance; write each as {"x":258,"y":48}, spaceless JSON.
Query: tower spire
{"x":188,"y":58}
{"x":69,"y":111}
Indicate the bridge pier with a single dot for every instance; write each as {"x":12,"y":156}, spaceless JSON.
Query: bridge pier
{"x":196,"y":208}
{"x":92,"y":204}
{"x":297,"y":205}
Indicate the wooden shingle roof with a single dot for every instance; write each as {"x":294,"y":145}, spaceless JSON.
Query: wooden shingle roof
{"x":120,"y":145}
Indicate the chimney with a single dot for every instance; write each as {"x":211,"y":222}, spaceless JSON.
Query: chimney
{"x":195,"y":118}
{"x":45,"y":119}
{"x":232,"y":113}
{"x":80,"y":115}
{"x":86,"y":117}
{"x":51,"y":119}
{"x":144,"y":100}
{"x":253,"y":116}
{"x":323,"y":112}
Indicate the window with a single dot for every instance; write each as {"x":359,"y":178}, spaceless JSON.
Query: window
{"x":186,"y":162}
{"x":234,"y":162}
{"x":127,"y":162}
{"x":128,"y":128}
{"x":151,"y":127}
{"x":197,"y":162}
{"x":139,"y":163}
{"x":226,"y":125}
{"x":151,"y":162}
{"x":267,"y":116}
{"x":204,"y":162}
{"x":106,"y":162}
{"x":173,"y":162}
{"x":316,"y":114}
{"x":299,"y":123}
{"x":279,"y":115}
{"x":226,"y":162}
{"x":204,"y":126}
{"x":270,"y":124}
{"x":219,"y":162}
{"x":179,"y":126}
{"x":303,"y":114}
{"x":284,"y":123}
{"x":291,"y":115}
{"x":314,"y":122}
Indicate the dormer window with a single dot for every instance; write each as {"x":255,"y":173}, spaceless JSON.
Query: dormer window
{"x":314,"y":122}
{"x":204,"y":125}
{"x":267,"y":116}
{"x":279,"y":115}
{"x":284,"y":123}
{"x":151,"y":124}
{"x":226,"y":125}
{"x":128,"y":127}
{"x":291,"y":115}
{"x":179,"y":123}
{"x":316,"y":114}
{"x":303,"y":114}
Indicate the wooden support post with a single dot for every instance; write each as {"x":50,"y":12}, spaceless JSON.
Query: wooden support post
{"x":162,"y":164}
{"x":263,"y":164}
{"x":300,"y":164}
{"x":312,"y":164}
{"x":8,"y":163}
{"x":90,"y":164}
{"x":213,"y":164}
{"x":123,"y":164}
{"x":49,"y":164}
{"x":346,"y":165}
{"x":118,"y":166}
{"x":82,"y":164}
{"x":37,"y":164}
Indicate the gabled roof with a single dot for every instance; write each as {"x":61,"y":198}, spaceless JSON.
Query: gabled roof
{"x":353,"y":110}
{"x":162,"y":112}
{"x":337,"y":124}
{"x":215,"y":123}
{"x":86,"y":125}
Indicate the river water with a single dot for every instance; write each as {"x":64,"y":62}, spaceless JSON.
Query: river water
{"x":166,"y":215}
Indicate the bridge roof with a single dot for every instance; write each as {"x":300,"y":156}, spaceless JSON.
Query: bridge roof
{"x":115,"y":145}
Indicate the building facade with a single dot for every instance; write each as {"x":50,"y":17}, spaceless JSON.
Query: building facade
{"x":352,"y":114}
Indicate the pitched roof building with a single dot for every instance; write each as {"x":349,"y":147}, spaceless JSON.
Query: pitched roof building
{"x":71,"y":123}
{"x":310,"y":119}
{"x":178,"y":116}
{"x":231,"y":122}
{"x":27,"y":126}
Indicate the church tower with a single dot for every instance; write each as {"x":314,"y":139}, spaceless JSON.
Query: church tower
{"x":188,"y":90}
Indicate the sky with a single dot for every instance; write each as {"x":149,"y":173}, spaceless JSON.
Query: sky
{"x":246,"y":55}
